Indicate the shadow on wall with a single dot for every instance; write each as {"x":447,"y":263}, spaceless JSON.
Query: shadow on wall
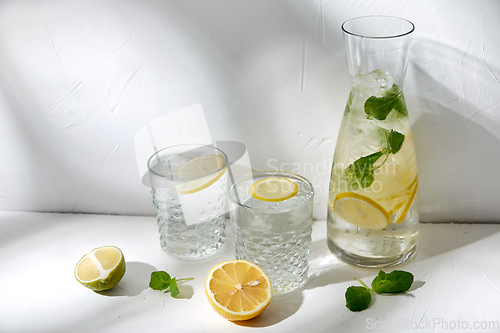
{"x":56,"y":161}
{"x":456,"y":135}
{"x":78,"y":87}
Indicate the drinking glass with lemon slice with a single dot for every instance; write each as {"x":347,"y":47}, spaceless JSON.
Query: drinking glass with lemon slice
{"x":189,"y":185}
{"x":271,"y":220}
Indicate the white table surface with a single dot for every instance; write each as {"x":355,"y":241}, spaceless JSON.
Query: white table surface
{"x":456,"y":288}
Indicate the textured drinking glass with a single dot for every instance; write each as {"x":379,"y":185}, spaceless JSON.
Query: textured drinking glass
{"x":274,"y":235}
{"x":189,"y":184}
{"x":373,"y":215}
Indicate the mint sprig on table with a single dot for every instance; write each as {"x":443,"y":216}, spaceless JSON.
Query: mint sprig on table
{"x":358,"y":298}
{"x":161,"y":280}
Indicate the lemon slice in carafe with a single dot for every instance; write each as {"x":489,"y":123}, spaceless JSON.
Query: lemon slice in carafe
{"x":401,"y":214}
{"x":361,"y":211}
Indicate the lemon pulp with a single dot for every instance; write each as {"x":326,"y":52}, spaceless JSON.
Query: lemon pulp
{"x":101,"y":268}
{"x":238,"y":290}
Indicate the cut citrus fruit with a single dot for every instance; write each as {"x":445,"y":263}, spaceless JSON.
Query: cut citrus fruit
{"x":200,"y":166}
{"x":396,"y":208}
{"x":101,"y":269}
{"x":201,"y":172}
{"x":361,"y":211}
{"x":273,"y":189}
{"x":238,"y":289}
{"x":393,"y":197}
{"x":413,"y":182}
{"x":401,"y":214}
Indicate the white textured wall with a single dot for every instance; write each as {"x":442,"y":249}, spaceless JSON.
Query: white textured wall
{"x":80,"y":78}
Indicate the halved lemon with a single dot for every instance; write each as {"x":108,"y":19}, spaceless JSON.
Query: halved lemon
{"x":238,"y":290}
{"x":361,"y":211}
{"x":401,"y":214}
{"x":273,"y":189}
{"x":101,"y":268}
{"x":203,"y":170}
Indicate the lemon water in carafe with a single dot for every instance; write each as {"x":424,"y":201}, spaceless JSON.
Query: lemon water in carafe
{"x":373,"y":214}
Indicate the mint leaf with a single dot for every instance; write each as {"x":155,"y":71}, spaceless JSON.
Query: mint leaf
{"x":380,"y":107}
{"x":400,"y":105}
{"x":366,"y":162}
{"x":161,"y":280}
{"x":367,"y":179}
{"x":394,"y":282}
{"x":357,"y":298}
{"x":394,"y":141}
{"x":362,"y":170}
{"x":174,"y":289}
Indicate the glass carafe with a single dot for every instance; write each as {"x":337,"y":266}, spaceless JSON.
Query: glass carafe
{"x":373,"y":214}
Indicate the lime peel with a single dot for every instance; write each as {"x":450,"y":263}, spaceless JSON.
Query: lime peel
{"x":101,"y":269}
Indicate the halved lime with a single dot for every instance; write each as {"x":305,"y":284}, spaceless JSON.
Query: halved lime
{"x":101,"y":268}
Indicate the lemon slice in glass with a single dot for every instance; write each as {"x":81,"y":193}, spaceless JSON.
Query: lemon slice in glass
{"x":273,"y":189}
{"x":101,"y":268}
{"x":238,"y":290}
{"x":401,"y":214}
{"x":361,"y":211}
{"x":200,"y":172}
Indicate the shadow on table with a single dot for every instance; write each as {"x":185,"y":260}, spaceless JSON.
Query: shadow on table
{"x":434,"y":240}
{"x":326,"y":269}
{"x":281,"y":307}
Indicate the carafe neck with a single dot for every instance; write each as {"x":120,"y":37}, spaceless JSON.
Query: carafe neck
{"x":378,"y":43}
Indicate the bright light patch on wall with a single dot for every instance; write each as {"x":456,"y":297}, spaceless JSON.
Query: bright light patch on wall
{"x":186,"y":125}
